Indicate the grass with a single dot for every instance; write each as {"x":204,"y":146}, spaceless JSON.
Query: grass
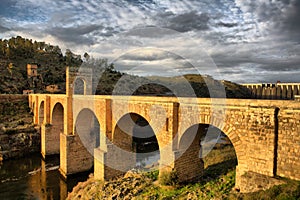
{"x":217,"y":183}
{"x":288,"y":191}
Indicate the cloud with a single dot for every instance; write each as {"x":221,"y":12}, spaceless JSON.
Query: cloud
{"x":77,"y":34}
{"x":248,"y":40}
{"x":184,"y":22}
{"x":3,"y":29}
{"x":273,"y":17}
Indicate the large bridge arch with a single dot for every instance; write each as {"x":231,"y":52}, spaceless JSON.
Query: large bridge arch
{"x":77,"y":149}
{"x":87,"y":126}
{"x":189,"y":162}
{"x":133,"y":142}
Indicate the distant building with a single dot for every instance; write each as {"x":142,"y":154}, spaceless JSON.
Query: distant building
{"x":52,"y":88}
{"x":32,"y":70}
{"x":28,"y":92}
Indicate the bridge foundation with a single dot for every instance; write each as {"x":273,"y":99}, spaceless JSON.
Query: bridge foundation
{"x":74,"y":157}
{"x":49,"y":140}
{"x":248,"y":181}
{"x":112,"y":162}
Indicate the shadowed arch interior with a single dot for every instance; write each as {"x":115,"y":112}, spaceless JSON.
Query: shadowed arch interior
{"x":57,"y":125}
{"x":33,"y":108}
{"x":79,"y":86}
{"x":88,"y":128}
{"x":41,"y":113}
{"x":196,"y":145}
{"x":134,"y":134}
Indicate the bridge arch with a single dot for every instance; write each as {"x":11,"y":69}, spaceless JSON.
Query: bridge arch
{"x":194,"y":145}
{"x":41,"y":113}
{"x":136,"y":142}
{"x":57,"y":120}
{"x":79,"y":86}
{"x":51,"y":132}
{"x":87,"y":126}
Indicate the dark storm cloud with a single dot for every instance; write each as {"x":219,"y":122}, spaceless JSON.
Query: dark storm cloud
{"x":151,"y":32}
{"x":3,"y":29}
{"x":292,"y":20}
{"x":280,"y":16}
{"x":184,"y":22}
{"x":76,"y":34}
{"x":228,"y":25}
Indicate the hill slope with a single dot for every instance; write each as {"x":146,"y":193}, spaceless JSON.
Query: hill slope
{"x":17,"y":52}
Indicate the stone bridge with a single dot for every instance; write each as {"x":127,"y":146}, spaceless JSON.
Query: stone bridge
{"x":88,"y":130}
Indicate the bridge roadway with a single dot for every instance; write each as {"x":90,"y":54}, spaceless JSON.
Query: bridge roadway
{"x":89,"y":130}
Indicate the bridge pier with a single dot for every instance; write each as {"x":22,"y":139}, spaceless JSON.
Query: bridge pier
{"x":49,"y":140}
{"x":188,"y":166}
{"x":74,"y":156}
{"x":112,"y":162}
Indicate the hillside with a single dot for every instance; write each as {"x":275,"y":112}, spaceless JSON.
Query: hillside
{"x":185,"y":86}
{"x":17,"y":52}
{"x":18,"y":135}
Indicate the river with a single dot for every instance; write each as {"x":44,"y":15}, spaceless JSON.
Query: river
{"x":33,"y":178}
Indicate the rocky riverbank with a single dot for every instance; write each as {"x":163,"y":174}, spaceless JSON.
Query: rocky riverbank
{"x":217,"y":183}
{"x":18,"y":135}
{"x":127,"y":187}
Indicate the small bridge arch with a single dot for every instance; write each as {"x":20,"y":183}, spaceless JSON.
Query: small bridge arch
{"x":80,"y":86}
{"x":41,"y":113}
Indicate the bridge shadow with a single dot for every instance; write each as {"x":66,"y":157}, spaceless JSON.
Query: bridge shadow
{"x":215,"y":171}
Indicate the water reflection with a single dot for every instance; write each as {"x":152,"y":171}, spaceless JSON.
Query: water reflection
{"x":33,"y":178}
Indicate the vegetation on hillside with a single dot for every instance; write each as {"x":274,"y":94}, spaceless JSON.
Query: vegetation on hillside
{"x":17,"y":52}
{"x":18,"y":135}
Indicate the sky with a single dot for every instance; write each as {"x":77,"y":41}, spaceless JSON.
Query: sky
{"x":243,"y":41}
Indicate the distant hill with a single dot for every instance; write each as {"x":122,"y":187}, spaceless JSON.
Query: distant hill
{"x":185,"y":86}
{"x":17,"y":52}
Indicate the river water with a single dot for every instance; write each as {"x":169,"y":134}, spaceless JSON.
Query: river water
{"x":33,"y":178}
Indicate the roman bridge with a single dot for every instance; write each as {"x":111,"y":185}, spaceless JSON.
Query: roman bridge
{"x":95,"y":130}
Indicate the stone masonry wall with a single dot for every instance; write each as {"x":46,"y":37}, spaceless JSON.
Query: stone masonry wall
{"x":266,"y":140}
{"x":74,"y":157}
{"x":288,"y":161}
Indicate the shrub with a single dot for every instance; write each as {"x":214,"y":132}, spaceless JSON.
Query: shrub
{"x":21,"y":122}
{"x":168,"y":178}
{"x":153,"y":175}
